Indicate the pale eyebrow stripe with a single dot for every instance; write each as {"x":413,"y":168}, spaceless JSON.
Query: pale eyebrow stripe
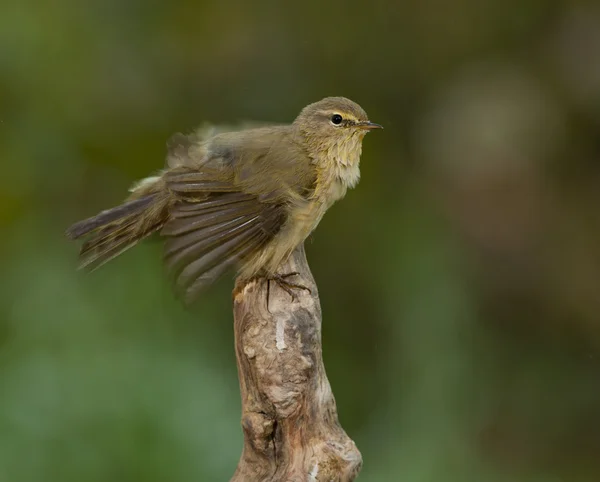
{"x":346,"y":116}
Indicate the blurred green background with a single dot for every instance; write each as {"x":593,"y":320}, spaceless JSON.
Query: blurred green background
{"x":460,"y":282}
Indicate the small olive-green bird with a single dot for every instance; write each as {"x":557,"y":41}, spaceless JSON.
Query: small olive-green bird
{"x":245,"y":198}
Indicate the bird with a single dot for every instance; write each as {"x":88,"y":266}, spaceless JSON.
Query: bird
{"x":241,"y":199}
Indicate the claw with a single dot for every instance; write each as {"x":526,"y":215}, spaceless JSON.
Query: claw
{"x":287,"y":286}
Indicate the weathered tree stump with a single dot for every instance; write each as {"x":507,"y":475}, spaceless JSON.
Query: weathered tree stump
{"x":289,"y":416}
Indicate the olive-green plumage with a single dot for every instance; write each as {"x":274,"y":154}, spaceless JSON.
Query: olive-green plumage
{"x":241,"y":199}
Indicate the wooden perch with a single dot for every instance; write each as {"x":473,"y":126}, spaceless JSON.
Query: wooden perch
{"x":289,"y":416}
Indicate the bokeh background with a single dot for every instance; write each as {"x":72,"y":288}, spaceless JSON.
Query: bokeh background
{"x":460,"y":282}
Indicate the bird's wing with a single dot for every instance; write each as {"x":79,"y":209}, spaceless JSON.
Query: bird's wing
{"x":229,"y":204}
{"x":211,"y":228}
{"x":268,"y":161}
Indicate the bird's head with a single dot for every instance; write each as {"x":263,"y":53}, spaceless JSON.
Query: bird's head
{"x":334,"y":125}
{"x":334,"y":119}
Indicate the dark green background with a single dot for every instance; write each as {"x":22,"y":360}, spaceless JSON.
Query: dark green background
{"x":460,"y":281}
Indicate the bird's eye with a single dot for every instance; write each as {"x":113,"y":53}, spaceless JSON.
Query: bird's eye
{"x":336,"y":119}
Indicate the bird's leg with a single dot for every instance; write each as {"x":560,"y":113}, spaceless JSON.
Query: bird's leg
{"x":285,"y":285}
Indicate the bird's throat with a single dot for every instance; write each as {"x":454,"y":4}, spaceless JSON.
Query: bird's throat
{"x":345,"y":160}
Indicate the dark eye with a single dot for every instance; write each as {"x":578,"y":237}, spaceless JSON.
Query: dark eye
{"x":336,"y":119}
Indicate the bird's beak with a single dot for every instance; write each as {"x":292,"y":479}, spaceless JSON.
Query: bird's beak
{"x":368,"y":126}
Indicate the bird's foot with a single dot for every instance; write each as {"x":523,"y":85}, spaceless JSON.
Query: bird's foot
{"x":285,"y":285}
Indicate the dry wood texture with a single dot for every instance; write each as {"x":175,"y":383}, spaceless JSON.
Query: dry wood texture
{"x":289,"y":416}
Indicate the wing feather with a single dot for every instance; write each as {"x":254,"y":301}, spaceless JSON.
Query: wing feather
{"x":177,"y":226}
{"x":213,"y":227}
{"x":182,"y":241}
{"x":191,"y":208}
{"x":208,"y":277}
{"x":202,"y":243}
{"x":200,"y":186}
{"x":227,"y":252}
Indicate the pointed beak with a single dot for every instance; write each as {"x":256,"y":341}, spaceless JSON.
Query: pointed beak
{"x":368,"y":126}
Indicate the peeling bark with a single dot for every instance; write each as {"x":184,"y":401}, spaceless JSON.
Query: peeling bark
{"x":289,"y":416}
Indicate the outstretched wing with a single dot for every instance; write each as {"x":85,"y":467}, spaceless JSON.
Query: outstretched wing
{"x":211,"y":228}
{"x":233,"y":193}
{"x":267,"y":161}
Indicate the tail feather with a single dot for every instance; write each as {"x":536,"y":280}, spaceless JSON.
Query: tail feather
{"x":108,"y":216}
{"x":109,"y":249}
{"x":115,"y":230}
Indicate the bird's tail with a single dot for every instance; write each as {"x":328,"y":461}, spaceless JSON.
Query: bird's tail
{"x":113,"y":231}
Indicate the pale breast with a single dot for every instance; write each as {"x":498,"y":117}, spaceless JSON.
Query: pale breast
{"x":334,"y":192}
{"x":336,"y":172}
{"x":302,"y":220}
